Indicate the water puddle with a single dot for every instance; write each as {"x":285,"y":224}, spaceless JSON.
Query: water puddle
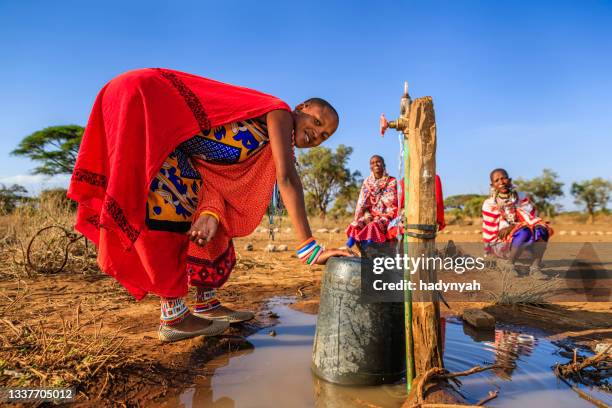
{"x":275,"y":371}
{"x":529,"y":383}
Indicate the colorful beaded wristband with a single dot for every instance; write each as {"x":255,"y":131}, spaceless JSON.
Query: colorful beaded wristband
{"x":309,"y":252}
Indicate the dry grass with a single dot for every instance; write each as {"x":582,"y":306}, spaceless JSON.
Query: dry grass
{"x":37,"y":347}
{"x":72,"y":351}
{"x":46,"y":229}
{"x":514,"y":293}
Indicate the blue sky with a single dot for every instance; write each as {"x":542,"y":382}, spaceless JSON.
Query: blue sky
{"x":525,"y":85}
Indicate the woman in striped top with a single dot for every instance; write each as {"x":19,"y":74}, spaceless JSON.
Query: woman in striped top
{"x":510,"y":225}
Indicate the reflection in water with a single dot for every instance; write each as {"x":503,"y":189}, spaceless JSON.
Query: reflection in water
{"x":202,"y":394}
{"x":328,"y":395}
{"x":529,"y":380}
{"x":276,"y":372}
{"x":508,"y":347}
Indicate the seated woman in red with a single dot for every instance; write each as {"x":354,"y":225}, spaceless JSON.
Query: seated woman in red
{"x":376,"y":207}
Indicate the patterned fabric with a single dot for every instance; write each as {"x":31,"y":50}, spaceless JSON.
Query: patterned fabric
{"x":206,"y":300}
{"x":376,"y":207}
{"x":513,"y":210}
{"x":231,"y":143}
{"x":136,"y":122}
{"x":173,"y":311}
{"x":173,"y":194}
{"x":211,"y":274}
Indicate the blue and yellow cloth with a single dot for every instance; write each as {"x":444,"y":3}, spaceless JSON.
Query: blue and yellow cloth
{"x":173,"y":193}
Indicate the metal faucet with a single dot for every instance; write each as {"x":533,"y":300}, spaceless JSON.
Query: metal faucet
{"x":401,"y":124}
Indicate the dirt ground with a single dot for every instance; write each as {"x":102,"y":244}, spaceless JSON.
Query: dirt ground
{"x":96,"y":318}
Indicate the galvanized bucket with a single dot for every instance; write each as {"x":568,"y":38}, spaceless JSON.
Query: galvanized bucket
{"x":355,"y":343}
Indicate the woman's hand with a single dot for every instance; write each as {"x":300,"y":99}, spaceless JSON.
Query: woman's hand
{"x":504,"y":232}
{"x":328,"y":253}
{"x":203,"y":229}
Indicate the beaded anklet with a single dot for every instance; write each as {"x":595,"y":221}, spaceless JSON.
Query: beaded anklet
{"x":309,"y":252}
{"x":205,"y":300}
{"x":173,"y":311}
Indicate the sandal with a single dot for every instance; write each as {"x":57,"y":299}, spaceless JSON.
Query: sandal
{"x":225,"y":314}
{"x":168,"y":334}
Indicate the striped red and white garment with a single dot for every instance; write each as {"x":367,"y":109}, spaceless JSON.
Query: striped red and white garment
{"x":518,"y":213}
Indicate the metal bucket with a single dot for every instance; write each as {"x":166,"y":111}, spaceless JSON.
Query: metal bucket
{"x":355,"y":343}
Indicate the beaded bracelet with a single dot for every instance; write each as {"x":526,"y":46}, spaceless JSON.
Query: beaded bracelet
{"x":173,"y":311}
{"x":309,"y":252}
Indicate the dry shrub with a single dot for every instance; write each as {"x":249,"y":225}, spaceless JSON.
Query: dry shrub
{"x":45,"y":226}
{"x":536,"y":294}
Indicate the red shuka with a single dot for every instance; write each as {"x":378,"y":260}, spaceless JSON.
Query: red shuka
{"x":138,"y":118}
{"x":439,"y":202}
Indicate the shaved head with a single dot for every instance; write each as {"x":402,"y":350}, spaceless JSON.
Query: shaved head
{"x":324,"y":104}
{"x":315,"y":120}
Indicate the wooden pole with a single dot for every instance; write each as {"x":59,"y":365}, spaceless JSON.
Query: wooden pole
{"x":420,"y":218}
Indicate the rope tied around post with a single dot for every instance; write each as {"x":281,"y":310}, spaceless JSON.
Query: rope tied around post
{"x":430,"y":231}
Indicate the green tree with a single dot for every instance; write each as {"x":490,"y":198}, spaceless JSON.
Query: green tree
{"x":473,"y":207}
{"x":55,"y":147}
{"x":543,"y":190}
{"x":459,"y":200}
{"x":593,"y":194}
{"x":345,"y":203}
{"x":465,"y":205}
{"x":10,"y":197}
{"x":324,"y":174}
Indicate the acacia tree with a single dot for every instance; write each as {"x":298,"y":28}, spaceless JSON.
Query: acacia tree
{"x":465,"y":205}
{"x":324,"y":175}
{"x":55,"y":147}
{"x":593,"y":194}
{"x":543,"y":190}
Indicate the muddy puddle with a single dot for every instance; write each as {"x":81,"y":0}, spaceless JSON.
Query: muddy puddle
{"x":274,"y":371}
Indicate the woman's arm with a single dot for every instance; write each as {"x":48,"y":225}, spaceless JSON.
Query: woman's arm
{"x":280,"y":131}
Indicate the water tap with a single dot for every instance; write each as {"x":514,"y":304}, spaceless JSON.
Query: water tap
{"x":401,"y":124}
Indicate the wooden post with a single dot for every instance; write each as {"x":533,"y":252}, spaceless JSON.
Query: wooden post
{"x":422,"y":310}
{"x":420,"y":213}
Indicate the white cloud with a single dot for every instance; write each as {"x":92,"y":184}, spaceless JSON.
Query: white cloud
{"x":35,"y":183}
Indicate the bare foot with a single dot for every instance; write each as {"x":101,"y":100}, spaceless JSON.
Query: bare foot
{"x":192,"y":323}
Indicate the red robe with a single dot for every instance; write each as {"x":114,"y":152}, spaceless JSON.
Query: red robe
{"x":439,"y":207}
{"x":138,"y":118}
{"x":439,"y":202}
